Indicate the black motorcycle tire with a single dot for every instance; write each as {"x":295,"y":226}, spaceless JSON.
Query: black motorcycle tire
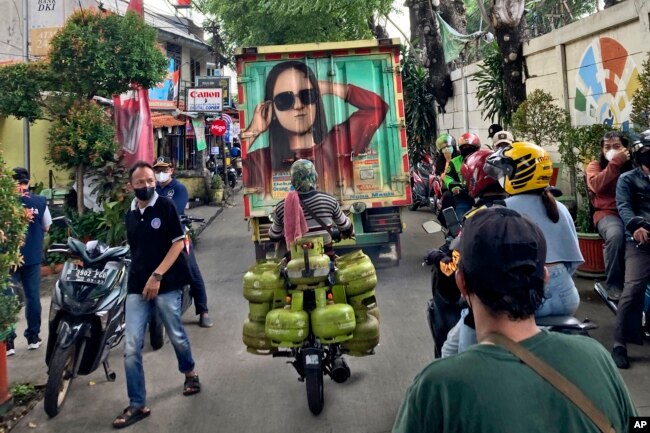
{"x":59,"y":379}
{"x":156,"y":332}
{"x":315,"y":395}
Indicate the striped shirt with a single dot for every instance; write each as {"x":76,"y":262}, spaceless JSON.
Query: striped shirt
{"x":323,"y":205}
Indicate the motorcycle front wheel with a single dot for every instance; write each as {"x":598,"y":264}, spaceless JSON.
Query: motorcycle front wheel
{"x":59,"y":378}
{"x":315,"y":395}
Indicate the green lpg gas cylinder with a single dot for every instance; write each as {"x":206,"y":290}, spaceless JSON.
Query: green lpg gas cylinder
{"x":287,"y":328}
{"x":356,"y":271}
{"x":362,"y":304}
{"x":333,"y":323}
{"x":261,"y":280}
{"x":365,"y":339}
{"x":312,"y":268}
{"x":257,"y":311}
{"x":255,"y":338}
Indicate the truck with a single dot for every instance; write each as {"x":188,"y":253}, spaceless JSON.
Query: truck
{"x":339,"y":104}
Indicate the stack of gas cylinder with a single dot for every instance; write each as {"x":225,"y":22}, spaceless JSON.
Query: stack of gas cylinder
{"x":342,"y":309}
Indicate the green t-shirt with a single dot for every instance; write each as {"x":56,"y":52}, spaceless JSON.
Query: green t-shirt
{"x":487,"y":389}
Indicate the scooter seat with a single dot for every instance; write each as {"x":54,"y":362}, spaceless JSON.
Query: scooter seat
{"x":564,"y":322}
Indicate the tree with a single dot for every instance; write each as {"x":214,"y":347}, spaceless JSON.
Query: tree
{"x":490,"y":93}
{"x":425,"y":35}
{"x":540,"y":120}
{"x":277,"y":22}
{"x":94,"y":54}
{"x":419,"y":109}
{"x":640,"y":115}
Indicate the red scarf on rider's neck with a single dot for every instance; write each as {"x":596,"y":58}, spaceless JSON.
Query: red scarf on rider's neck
{"x":295,"y":224}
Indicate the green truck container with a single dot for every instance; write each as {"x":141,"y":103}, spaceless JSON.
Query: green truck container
{"x":340,"y":105}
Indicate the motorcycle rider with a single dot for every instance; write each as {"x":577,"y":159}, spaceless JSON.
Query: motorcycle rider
{"x":291,"y":219}
{"x":633,"y":200}
{"x":524,"y":171}
{"x":456,"y":195}
{"x":502,"y":139}
{"x":487,"y":388}
{"x":168,"y":186}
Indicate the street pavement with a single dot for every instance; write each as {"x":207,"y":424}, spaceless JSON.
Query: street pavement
{"x":248,"y":393}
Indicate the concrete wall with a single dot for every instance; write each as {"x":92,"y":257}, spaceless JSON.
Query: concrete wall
{"x":590,"y":67}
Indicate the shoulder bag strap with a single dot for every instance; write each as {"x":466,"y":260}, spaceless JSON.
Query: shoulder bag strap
{"x":314,"y":216}
{"x":552,"y":376}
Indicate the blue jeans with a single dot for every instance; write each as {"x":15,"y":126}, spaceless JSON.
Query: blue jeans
{"x":30,"y":277}
{"x":561,"y":296}
{"x":138,"y":312}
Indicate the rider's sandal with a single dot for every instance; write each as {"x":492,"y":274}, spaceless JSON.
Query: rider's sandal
{"x":191,"y":385}
{"x":130,"y":416}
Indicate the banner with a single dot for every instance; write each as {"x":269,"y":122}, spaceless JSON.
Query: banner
{"x":199,"y":133}
{"x":133,"y":126}
{"x":165,"y":94}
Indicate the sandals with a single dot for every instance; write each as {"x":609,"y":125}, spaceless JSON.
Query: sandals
{"x":130,"y":416}
{"x":191,"y":385}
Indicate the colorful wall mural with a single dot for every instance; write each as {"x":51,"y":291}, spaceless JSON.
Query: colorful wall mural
{"x":605,"y":83}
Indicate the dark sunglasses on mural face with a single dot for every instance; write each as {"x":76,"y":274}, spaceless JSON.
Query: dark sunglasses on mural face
{"x":284,"y":101}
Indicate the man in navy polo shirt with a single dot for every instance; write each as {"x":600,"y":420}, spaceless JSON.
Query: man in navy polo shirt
{"x":29,"y":273}
{"x":169,"y":187}
{"x":157,"y":274}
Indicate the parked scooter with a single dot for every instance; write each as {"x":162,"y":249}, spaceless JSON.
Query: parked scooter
{"x":228,"y":172}
{"x":445,"y":306}
{"x":422,"y":185}
{"x":156,"y":327}
{"x":600,"y":290}
{"x":86,"y":314}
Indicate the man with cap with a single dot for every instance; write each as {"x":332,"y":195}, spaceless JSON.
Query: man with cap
{"x":488,"y":389}
{"x":502,"y":139}
{"x":29,"y":273}
{"x":168,"y":186}
{"x":493,"y":129}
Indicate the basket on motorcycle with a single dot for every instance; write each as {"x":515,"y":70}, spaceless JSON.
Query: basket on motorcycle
{"x":356,"y":271}
{"x":365,"y":338}
{"x":255,"y":339}
{"x":287,"y":328}
{"x":261,"y":281}
{"x":309,"y":264}
{"x":333,"y":323}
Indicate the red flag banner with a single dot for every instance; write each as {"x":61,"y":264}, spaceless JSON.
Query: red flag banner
{"x":133,"y":126}
{"x":136,"y":6}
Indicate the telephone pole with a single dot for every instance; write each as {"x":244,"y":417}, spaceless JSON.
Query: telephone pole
{"x":26,"y":59}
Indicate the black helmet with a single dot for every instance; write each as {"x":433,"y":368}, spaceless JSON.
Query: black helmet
{"x":640,"y":149}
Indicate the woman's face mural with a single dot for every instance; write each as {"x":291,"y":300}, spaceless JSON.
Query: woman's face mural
{"x":294,"y":104}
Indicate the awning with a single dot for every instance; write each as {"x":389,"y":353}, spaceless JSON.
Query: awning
{"x":162,"y":120}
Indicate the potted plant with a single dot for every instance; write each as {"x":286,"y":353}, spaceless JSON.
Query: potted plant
{"x":216,"y":189}
{"x":13,"y":226}
{"x":582,"y":145}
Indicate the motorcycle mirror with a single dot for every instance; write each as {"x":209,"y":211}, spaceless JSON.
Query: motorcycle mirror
{"x":358,"y":207}
{"x":431,"y":227}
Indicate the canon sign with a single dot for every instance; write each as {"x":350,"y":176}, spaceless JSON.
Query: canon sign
{"x":205,"y":94}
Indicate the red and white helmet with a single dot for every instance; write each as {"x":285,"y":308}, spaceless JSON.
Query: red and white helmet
{"x":472,"y":171}
{"x":469,"y":139}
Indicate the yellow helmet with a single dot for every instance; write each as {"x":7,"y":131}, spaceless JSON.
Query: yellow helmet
{"x":520,"y":167}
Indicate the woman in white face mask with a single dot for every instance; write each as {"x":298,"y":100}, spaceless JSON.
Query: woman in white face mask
{"x":601,"y":180}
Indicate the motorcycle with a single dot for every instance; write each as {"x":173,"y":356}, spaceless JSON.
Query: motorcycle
{"x":600,"y":290}
{"x":322,"y":311}
{"x":423,"y":179}
{"x":156,"y":327}
{"x":445,"y":306}
{"x":86,"y":317}
{"x":228,"y":172}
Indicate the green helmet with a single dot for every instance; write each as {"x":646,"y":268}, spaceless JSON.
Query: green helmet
{"x":303,"y":175}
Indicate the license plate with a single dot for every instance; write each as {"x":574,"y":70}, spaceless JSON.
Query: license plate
{"x":311,"y":360}
{"x":87,"y":276}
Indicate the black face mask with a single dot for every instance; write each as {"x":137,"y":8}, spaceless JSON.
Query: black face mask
{"x":466,"y":151}
{"x":144,"y":193}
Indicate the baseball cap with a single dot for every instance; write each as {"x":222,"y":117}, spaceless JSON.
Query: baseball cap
{"x":499,"y":248}
{"x":502,"y":137}
{"x":21,"y":175}
{"x":162,"y":161}
{"x":493,"y":129}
